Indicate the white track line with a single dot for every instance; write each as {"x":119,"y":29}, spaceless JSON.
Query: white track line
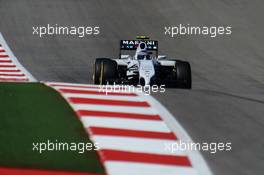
{"x":198,"y":161}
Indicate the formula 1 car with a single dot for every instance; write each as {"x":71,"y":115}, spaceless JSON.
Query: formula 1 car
{"x":142,"y":67}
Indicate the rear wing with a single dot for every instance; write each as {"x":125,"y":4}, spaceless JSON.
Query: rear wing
{"x":152,"y":45}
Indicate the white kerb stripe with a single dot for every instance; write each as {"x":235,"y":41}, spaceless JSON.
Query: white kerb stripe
{"x":7,"y":64}
{"x":112,"y":108}
{"x":131,"y":168}
{"x":60,"y":84}
{"x":143,"y":145}
{"x":92,"y":89}
{"x":69,"y":84}
{"x":9,"y":68}
{"x":11,"y":77}
{"x":119,"y":123}
{"x":77,"y":88}
{"x":5,"y":58}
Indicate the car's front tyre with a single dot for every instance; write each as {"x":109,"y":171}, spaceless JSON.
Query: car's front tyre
{"x":105,"y":71}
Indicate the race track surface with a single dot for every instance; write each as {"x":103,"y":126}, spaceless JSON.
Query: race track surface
{"x":226,"y":103}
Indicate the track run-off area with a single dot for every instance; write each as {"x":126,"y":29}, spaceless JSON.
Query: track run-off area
{"x":134,"y":133}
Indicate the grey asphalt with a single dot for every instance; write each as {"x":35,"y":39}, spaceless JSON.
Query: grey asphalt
{"x":226,"y":103}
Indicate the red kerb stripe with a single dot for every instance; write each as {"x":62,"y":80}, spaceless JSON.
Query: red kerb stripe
{"x":20,"y":171}
{"x":82,"y":113}
{"x":113,"y":155}
{"x":7,"y":65}
{"x":5,"y":61}
{"x":131,"y":133}
{"x":12,"y":75}
{"x":3,"y":70}
{"x":4,"y":56}
{"x":13,"y":79}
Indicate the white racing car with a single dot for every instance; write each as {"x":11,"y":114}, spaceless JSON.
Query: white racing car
{"x":142,"y":67}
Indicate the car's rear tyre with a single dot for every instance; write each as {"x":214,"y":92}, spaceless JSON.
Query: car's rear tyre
{"x":183,"y":75}
{"x":105,"y":71}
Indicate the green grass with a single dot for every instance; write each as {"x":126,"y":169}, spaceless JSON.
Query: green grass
{"x":32,"y":112}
